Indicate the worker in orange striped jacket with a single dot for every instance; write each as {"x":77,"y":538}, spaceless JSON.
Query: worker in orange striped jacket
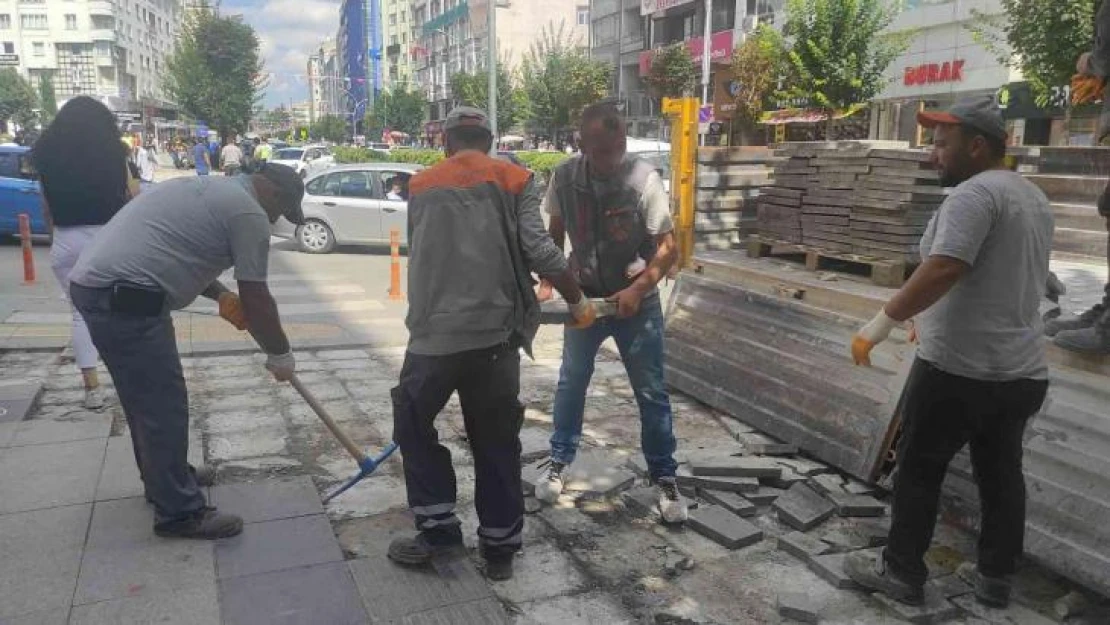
{"x":475,"y":237}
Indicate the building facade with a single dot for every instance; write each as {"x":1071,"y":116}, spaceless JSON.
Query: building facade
{"x":115,"y":51}
{"x":352,"y":45}
{"x":324,"y":82}
{"x":398,"y":39}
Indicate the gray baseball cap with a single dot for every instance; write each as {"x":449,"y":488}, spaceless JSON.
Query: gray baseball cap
{"x":980,"y":113}
{"x":466,"y":116}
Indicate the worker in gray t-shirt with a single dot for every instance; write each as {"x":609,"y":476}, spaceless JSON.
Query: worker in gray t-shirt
{"x":980,"y":372}
{"x":161,"y":251}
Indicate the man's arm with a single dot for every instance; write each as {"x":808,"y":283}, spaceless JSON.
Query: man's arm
{"x":262,"y":317}
{"x":935,"y":277}
{"x":541,"y":254}
{"x":214,"y":290}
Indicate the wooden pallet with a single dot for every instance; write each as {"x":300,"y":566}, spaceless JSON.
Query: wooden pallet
{"x":882,"y":271}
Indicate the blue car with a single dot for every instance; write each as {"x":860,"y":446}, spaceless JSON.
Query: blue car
{"x":19,"y":191}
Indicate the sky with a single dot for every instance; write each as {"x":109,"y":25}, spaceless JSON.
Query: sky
{"x":288,"y":31}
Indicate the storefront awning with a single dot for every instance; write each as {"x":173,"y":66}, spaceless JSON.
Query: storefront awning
{"x":806,"y":116}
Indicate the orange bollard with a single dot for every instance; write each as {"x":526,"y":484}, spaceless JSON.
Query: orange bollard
{"x":28,"y":257}
{"x":395,"y":293}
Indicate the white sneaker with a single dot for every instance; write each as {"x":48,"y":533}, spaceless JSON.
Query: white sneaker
{"x":671,"y":504}
{"x":551,"y":485}
{"x":95,"y":398}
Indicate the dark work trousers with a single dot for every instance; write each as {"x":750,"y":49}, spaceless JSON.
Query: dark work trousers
{"x":488,"y":382}
{"x":943,"y":412}
{"x":141,"y":355}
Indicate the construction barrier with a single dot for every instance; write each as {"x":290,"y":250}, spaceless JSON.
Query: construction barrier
{"x":395,"y":293}
{"x":28,"y":256}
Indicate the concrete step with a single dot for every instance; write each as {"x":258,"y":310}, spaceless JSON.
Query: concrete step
{"x":1065,"y":188}
{"x":1079,"y":216}
{"x":1080,"y":242}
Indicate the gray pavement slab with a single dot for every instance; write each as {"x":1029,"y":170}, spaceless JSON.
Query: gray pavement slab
{"x":480,"y":612}
{"x":268,"y":500}
{"x":764,"y":495}
{"x":936,"y":608}
{"x":277,"y":545}
{"x":540,"y":571}
{"x":732,"y":502}
{"x":736,"y":466}
{"x":803,"y":508}
{"x":45,"y":476}
{"x":119,"y":477}
{"x":18,"y":400}
{"x":7,"y":431}
{"x":764,"y":445}
{"x":197,"y":605}
{"x":123,"y":558}
{"x":643,"y":501}
{"x":785,"y":480}
{"x":69,"y":426}
{"x":390,"y":591}
{"x":857,"y":505}
{"x":828,"y":484}
{"x":322,"y":593}
{"x":804,"y":466}
{"x":950,"y":586}
{"x":802,"y":545}
{"x":57,"y":616}
{"x":593,"y":607}
{"x":41,"y":559}
{"x":830,"y":567}
{"x":1013,"y":615}
{"x":743,"y":485}
{"x":724,"y":527}
{"x":596,"y":474}
{"x":799,"y":606}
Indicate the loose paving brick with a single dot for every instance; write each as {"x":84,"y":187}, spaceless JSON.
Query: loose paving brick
{"x":831,"y":568}
{"x":857,"y":487}
{"x":724,"y":527}
{"x":845,"y":540}
{"x":827,"y":484}
{"x":936,"y":609}
{"x":1013,"y":615}
{"x":805,"y":466}
{"x":591,"y":475}
{"x":731,"y":466}
{"x":802,"y":545}
{"x":642,"y":501}
{"x":730,"y":501}
{"x":800,"y":606}
{"x":803,"y":508}
{"x":730,"y":484}
{"x":764,"y":495}
{"x":785,"y":480}
{"x":764,"y":445}
{"x":637,"y":464}
{"x":857,"y":505}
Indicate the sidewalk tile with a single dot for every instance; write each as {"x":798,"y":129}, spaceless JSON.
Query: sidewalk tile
{"x":58,"y":616}
{"x":189,"y":606}
{"x":323,"y":593}
{"x":18,"y":400}
{"x":7,"y":431}
{"x":123,"y":557}
{"x":594,"y":607}
{"x":119,"y":479}
{"x":45,"y":476}
{"x":541,"y":571}
{"x":41,"y":557}
{"x":70,"y":426}
{"x":390,"y":591}
{"x":277,"y":545}
{"x":480,"y":612}
{"x":269,"y":500}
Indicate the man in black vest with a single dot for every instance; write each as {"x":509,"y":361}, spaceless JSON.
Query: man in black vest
{"x":615,"y":209}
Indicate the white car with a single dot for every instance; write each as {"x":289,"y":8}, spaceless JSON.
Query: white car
{"x":307,"y":160}
{"x":356,"y":204}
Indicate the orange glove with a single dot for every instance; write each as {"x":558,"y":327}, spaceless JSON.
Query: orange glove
{"x":1085,"y":89}
{"x":876,"y":331}
{"x":231,"y":309}
{"x":583,"y":312}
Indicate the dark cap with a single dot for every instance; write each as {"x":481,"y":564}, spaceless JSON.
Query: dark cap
{"x":980,"y":113}
{"x":466,"y":116}
{"x":290,"y":189}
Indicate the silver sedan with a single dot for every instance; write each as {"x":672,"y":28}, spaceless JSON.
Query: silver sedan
{"x":352,"y":205}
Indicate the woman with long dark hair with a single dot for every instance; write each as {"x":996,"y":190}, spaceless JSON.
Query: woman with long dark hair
{"x":82,"y":164}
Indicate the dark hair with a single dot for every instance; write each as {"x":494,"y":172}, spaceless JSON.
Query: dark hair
{"x":604,"y":112}
{"x":83,"y":164}
{"x":997,"y":145}
{"x":469,"y":138}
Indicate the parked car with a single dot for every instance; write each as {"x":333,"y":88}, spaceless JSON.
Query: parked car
{"x":307,"y":160}
{"x":19,"y":191}
{"x":348,"y":205}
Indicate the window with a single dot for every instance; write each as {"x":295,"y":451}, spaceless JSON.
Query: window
{"x":605,"y":30}
{"x":392,"y":19}
{"x":33,"y":21}
{"x":395,"y":183}
{"x":5,"y":22}
{"x":355,"y":184}
{"x":393,"y":40}
{"x":71,"y":21}
{"x":38,"y":48}
{"x":9,"y":47}
{"x":583,"y":16}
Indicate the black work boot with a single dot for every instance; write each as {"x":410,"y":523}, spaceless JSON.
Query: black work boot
{"x":871,"y":572}
{"x":419,"y":550}
{"x":990,"y":591}
{"x":499,"y":562}
{"x":205,"y":524}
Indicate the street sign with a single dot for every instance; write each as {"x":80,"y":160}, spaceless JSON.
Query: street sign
{"x":9,"y":59}
{"x":705,"y":114}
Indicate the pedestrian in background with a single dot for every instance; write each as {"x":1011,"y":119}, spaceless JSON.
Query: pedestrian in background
{"x":201,"y":159}
{"x":82,"y":164}
{"x":980,"y":372}
{"x":264,"y":151}
{"x":147,"y":163}
{"x":475,"y":234}
{"x":232,"y":158}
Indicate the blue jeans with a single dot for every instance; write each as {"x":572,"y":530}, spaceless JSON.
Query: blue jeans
{"x":640,"y":342}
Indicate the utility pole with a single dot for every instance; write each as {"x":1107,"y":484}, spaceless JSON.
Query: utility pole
{"x":705,"y":51}
{"x":491,"y":21}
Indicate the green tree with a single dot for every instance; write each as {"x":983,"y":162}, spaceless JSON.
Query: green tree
{"x":841,"y":49}
{"x":215,"y":72}
{"x":560,"y":79}
{"x":46,"y":98}
{"x":330,"y":128}
{"x":757,"y":68}
{"x":18,"y":100}
{"x":673,"y":73}
{"x":396,"y":109}
{"x":473,"y":89}
{"x":1044,"y":39}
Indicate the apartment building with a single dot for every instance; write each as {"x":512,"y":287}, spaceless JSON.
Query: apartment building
{"x":114,"y":50}
{"x":398,"y":38}
{"x":324,"y":82}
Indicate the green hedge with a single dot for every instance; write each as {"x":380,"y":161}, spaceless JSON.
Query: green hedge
{"x":358,"y":155}
{"x":426,"y":158}
{"x":542,"y":163}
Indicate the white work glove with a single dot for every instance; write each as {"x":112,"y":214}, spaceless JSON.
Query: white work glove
{"x":876,"y":331}
{"x":281,"y":365}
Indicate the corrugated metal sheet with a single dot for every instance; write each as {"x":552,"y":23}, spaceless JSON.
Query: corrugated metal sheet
{"x":783,"y":366}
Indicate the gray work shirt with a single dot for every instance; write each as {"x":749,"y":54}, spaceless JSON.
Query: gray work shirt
{"x":988,"y":327}
{"x":180,"y":235}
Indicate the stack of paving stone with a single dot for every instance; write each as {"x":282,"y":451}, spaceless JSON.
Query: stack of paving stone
{"x":827,"y":205}
{"x":729,"y":180}
{"x":894,"y":203}
{"x":780,"y":204}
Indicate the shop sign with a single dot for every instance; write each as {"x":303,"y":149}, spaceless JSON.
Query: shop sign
{"x":648,"y":7}
{"x":720,"y":50}
{"x":932,"y":73}
{"x":9,"y":59}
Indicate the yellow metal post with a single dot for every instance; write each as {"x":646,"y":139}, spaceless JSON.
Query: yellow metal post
{"x":683,"y":115}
